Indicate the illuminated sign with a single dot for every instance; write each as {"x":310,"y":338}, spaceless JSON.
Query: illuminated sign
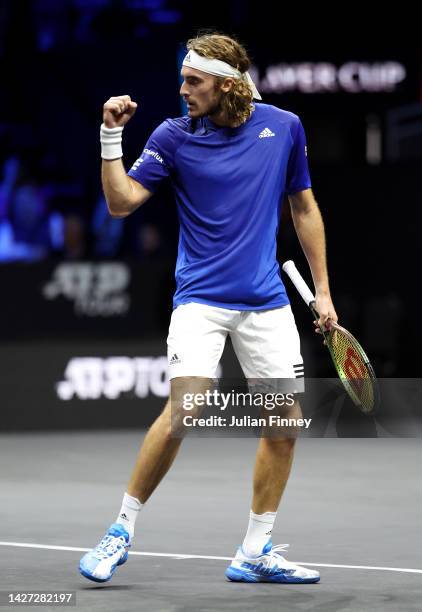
{"x":93,"y":378}
{"x":110,"y":377}
{"x":324,"y":77}
{"x":96,"y":289}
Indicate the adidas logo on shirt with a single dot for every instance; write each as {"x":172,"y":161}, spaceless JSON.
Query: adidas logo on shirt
{"x":266,"y":133}
{"x":174,"y":359}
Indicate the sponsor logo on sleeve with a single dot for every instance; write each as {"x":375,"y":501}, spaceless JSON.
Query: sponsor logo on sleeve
{"x":154,"y":154}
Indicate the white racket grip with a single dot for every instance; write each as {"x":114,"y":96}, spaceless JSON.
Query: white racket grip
{"x":293,"y":273}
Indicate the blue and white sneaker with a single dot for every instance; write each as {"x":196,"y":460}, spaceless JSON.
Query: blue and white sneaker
{"x":100,"y":563}
{"x":269,"y":566}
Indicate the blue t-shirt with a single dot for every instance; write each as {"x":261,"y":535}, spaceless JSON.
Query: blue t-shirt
{"x":229,"y":185}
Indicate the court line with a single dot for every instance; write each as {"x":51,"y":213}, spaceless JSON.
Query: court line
{"x":209,"y":557}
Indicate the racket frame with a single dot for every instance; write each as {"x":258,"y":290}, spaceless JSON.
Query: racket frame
{"x":293,"y":273}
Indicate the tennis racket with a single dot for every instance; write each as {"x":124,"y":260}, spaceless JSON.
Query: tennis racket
{"x":353,"y":366}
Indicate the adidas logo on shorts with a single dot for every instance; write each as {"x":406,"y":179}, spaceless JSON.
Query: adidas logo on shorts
{"x":174,"y":359}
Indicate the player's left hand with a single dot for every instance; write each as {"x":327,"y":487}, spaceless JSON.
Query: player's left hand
{"x":327,"y":313}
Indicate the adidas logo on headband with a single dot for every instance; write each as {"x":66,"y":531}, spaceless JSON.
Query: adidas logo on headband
{"x":219,"y":68}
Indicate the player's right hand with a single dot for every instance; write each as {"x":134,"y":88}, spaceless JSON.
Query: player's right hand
{"x":118,"y":110}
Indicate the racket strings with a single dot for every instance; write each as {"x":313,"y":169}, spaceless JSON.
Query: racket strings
{"x":353,"y":368}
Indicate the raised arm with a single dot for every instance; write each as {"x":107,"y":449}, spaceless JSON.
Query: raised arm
{"x":123,"y":194}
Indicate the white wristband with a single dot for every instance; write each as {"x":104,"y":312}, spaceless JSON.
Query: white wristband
{"x":111,"y":142}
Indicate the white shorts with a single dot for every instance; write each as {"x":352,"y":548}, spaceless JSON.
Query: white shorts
{"x":266,"y":342}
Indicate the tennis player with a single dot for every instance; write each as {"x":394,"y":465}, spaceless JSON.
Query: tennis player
{"x":231,"y":161}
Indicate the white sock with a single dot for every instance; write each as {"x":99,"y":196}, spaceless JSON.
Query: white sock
{"x":129,"y":513}
{"x":259,"y":532}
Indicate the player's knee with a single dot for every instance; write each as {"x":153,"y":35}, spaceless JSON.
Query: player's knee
{"x":283,"y":445}
{"x":187,"y":396}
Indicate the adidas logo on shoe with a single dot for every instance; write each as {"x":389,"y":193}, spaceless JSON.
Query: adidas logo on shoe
{"x":266,"y":133}
{"x":174,"y":359}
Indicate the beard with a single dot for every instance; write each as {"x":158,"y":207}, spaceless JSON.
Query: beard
{"x":216,"y":106}
{"x":215,"y":109}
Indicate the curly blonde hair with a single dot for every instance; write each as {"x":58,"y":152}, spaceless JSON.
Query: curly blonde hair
{"x":236,"y":103}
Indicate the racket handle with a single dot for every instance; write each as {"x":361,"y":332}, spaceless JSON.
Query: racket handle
{"x":293,"y":273}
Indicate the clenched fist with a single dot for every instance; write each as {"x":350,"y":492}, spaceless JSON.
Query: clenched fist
{"x":118,"y":110}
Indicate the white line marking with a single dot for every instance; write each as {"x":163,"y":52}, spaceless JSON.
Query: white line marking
{"x":368,"y":567}
{"x":183,"y":556}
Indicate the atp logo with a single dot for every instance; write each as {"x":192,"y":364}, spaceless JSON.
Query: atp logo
{"x":96,"y":289}
{"x":93,"y":378}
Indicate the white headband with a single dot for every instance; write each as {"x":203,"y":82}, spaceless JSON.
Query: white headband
{"x":219,"y":68}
